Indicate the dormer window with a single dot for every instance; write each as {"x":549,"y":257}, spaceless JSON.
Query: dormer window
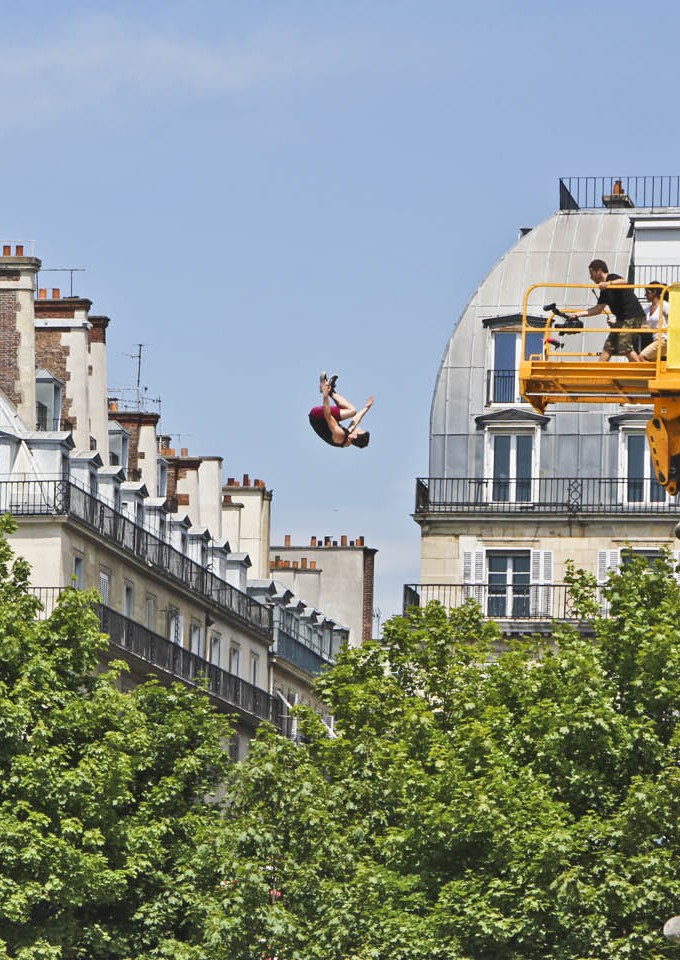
{"x":48,"y":394}
{"x":119,"y":443}
{"x":503,"y":372}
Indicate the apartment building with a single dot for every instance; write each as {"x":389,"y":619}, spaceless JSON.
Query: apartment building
{"x":513,"y":494}
{"x":102,"y":500}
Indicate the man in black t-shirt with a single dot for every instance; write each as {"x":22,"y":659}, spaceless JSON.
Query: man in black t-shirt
{"x":624,"y":305}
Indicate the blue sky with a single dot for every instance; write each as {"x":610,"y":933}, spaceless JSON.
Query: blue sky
{"x":261,"y":189}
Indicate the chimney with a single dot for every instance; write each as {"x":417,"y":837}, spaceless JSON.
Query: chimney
{"x":312,"y":564}
{"x":313,"y":542}
{"x":56,"y":293}
{"x":286,"y":540}
{"x":184,"y":452}
{"x":343,"y":540}
{"x":17,"y":336}
{"x":246,"y":480}
{"x":303,"y":563}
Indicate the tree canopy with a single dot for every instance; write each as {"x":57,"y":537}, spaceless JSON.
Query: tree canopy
{"x":472,"y":804}
{"x":521,"y":806}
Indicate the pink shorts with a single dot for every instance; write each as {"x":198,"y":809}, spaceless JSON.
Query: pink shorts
{"x":317,"y":413}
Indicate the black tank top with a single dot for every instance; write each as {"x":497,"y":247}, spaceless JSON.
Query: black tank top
{"x":320,"y":426}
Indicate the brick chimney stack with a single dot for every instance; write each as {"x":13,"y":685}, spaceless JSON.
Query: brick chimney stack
{"x":17,"y":330}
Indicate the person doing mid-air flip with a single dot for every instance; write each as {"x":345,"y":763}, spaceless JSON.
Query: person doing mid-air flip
{"x":326,"y":420}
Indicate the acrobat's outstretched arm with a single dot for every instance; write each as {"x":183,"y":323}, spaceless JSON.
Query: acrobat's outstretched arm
{"x":361,"y":414}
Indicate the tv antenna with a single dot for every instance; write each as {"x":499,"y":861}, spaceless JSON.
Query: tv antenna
{"x":69,"y":270}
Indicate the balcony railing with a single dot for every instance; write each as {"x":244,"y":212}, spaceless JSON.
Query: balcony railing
{"x":545,"y":495}
{"x":302,"y":656}
{"x":29,"y":498}
{"x":175,"y":660}
{"x":498,"y":601}
{"x":589,"y":193}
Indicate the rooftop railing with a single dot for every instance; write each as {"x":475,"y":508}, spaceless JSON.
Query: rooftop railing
{"x":590,"y":193}
{"x":554,"y":495}
{"x":30,"y":498}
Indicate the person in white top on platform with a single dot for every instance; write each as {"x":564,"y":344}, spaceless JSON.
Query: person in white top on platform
{"x":655,"y":309}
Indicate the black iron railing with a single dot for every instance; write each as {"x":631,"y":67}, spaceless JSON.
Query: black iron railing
{"x":502,"y":386}
{"x":174,"y":660}
{"x":300,"y":654}
{"x":539,"y":601}
{"x":24,"y":498}
{"x":570,"y":495}
{"x":588,"y":193}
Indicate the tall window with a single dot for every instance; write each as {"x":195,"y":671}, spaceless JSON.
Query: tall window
{"x":509,"y":581}
{"x":150,"y":612}
{"x":215,"y":652}
{"x":512,"y":466}
{"x":234,"y":659}
{"x":78,"y":572}
{"x":196,"y":638}
{"x":503,"y":383}
{"x":641,"y":483}
{"x":129,"y":599}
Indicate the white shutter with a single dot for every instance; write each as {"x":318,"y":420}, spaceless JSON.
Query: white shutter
{"x":104,"y":587}
{"x":676,"y":561}
{"x":474,"y":580}
{"x":541,"y":583}
{"x":606,"y":560}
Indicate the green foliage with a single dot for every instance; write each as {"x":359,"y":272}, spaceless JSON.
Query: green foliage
{"x":102,"y":793}
{"x":473,"y":806}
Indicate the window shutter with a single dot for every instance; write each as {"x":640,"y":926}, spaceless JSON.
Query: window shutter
{"x":541,"y":583}
{"x":475,"y":584}
{"x":104,"y":587}
{"x":606,"y":560}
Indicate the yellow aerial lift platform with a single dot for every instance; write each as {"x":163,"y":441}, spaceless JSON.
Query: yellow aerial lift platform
{"x":563,"y":375}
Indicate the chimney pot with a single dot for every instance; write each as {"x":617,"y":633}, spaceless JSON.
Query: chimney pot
{"x":295,"y":564}
{"x":343,"y":540}
{"x":313,"y":542}
{"x":312,"y":564}
{"x":6,"y":250}
{"x":246,"y":480}
{"x":56,"y":293}
{"x":184,"y":452}
{"x":326,"y":541}
{"x":360,"y":541}
{"x":20,"y":250}
{"x":42,"y":293}
{"x":230,"y":482}
{"x":226,"y":498}
{"x":303,"y":563}
{"x":286,"y":540}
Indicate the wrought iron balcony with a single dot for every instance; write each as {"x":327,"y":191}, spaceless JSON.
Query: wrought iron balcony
{"x":594,"y":496}
{"x":31,"y":498}
{"x":525,"y":602}
{"x":175,"y":661}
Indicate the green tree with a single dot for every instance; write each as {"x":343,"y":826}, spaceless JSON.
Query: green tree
{"x":104,"y":795}
{"x":523,"y":806}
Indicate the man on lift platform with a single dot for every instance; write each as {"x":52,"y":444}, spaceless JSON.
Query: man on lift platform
{"x":623,"y":304}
